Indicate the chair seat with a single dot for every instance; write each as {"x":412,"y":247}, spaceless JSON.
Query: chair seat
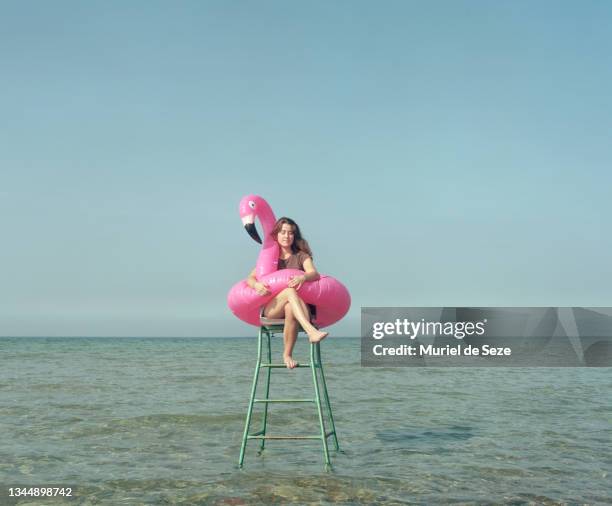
{"x":264,"y":321}
{"x":279,"y":323}
{"x":271,"y":321}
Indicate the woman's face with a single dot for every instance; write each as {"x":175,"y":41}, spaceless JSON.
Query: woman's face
{"x":285,"y":235}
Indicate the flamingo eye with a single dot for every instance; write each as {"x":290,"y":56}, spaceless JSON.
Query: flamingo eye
{"x":251,"y":204}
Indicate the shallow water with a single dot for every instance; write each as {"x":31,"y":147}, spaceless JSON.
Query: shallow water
{"x":160,"y":421}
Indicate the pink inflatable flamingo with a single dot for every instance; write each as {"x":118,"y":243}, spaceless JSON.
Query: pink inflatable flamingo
{"x":330,"y":297}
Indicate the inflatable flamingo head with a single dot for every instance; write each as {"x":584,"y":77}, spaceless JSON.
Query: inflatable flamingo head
{"x":252,"y":206}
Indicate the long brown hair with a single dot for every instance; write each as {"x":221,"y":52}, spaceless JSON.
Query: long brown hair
{"x":299,"y":243}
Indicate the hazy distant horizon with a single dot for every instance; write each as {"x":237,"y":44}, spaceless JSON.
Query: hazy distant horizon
{"x":154,"y":337}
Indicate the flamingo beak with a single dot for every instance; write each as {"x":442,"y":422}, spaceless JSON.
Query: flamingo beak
{"x":249,"y":225}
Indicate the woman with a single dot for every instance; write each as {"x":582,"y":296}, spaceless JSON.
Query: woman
{"x":294,"y":253}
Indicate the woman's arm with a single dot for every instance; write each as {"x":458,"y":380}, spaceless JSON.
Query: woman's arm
{"x":310,"y":274}
{"x":251,"y":279}
{"x":260,"y":288}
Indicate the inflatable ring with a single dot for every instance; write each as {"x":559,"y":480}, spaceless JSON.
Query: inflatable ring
{"x":331,"y":298}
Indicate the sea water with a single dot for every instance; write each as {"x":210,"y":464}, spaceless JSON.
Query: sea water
{"x":160,"y":421}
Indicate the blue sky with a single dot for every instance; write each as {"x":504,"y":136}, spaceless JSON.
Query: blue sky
{"x":433,"y":153}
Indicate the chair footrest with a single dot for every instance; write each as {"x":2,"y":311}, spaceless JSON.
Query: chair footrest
{"x":283,"y":366}
{"x":284,"y":400}
{"x":260,"y":435}
{"x":282,"y":437}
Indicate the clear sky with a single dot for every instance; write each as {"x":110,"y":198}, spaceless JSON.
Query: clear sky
{"x":433,"y":153}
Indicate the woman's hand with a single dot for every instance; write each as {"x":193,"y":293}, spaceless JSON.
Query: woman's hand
{"x":261,"y":289}
{"x":297,"y":281}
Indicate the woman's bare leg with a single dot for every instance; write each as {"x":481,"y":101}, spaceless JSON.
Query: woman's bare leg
{"x":274,"y":309}
{"x":290,"y":333}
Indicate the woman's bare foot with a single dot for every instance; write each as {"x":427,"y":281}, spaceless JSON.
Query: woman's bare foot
{"x":289,"y":362}
{"x":316,"y":336}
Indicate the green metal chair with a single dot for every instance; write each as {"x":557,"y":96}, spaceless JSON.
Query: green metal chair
{"x":269,"y":328}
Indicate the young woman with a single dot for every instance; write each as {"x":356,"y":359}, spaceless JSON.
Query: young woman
{"x":294,"y":253}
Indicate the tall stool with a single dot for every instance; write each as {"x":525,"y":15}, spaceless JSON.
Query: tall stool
{"x":270,"y":327}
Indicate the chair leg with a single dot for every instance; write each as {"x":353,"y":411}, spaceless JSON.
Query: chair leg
{"x":250,"y":408}
{"x":321,"y":397}
{"x":326,"y":398}
{"x":315,"y":380}
{"x":267,"y":389}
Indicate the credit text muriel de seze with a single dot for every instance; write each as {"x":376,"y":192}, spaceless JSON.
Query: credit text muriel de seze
{"x":414,"y":329}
